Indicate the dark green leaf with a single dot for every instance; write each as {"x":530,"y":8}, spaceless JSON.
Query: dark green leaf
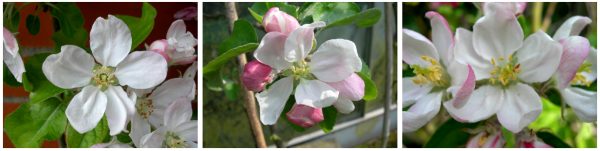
{"x":288,"y":106}
{"x":213,"y":81}
{"x":41,"y":89}
{"x":554,"y":96}
{"x":330,"y":12}
{"x":370,"y":87}
{"x":258,"y":10}
{"x":243,"y":33}
{"x":364,"y":19}
{"x":140,"y":27}
{"x":330,"y":115}
{"x":9,"y":78}
{"x":509,"y":137}
{"x":216,"y":63}
{"x":232,"y":89}
{"x":123,"y":138}
{"x":85,"y":140}
{"x":34,"y":122}
{"x":33,"y":24}
{"x":552,"y":140}
{"x":69,"y":29}
{"x":450,"y":134}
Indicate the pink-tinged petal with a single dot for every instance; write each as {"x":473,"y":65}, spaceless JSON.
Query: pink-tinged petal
{"x":534,"y":144}
{"x":441,"y":36}
{"x":344,"y":105}
{"x":71,"y":68}
{"x":498,"y":33}
{"x":415,"y":45}
{"x":521,"y":6}
{"x":279,"y":21}
{"x":582,"y":102}
{"x":110,"y":40}
{"x":575,"y":50}
{"x":484,"y":102}
{"x":464,"y":86}
{"x":335,"y":60}
{"x":86,"y":109}
{"x":271,"y":51}
{"x":10,"y":43}
{"x":522,"y":105}
{"x":421,"y":112}
{"x":486,"y":140}
{"x":352,"y":87}
{"x":528,"y":139}
{"x":187,"y":13}
{"x":299,"y":43}
{"x":272,"y":100}
{"x":305,"y":116}
{"x":315,"y":93}
{"x":538,"y":58}
{"x":464,"y":53}
{"x":256,"y":75}
{"x":412,"y":92}
{"x":572,"y":27}
{"x":142,"y":70}
{"x":161,"y":47}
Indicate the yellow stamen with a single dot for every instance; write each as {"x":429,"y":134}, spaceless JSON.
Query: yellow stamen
{"x":579,"y":78}
{"x":432,"y":74}
{"x":505,"y":71}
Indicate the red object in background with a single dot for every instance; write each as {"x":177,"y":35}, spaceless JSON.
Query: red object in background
{"x":91,"y":11}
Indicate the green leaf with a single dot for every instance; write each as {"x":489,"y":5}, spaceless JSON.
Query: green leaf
{"x":258,"y":10}
{"x":140,"y":27}
{"x":450,"y":134}
{"x":330,"y":12}
{"x":216,"y":63}
{"x":509,"y":137}
{"x":586,"y":138}
{"x":11,"y":16}
{"x":232,"y":89}
{"x":364,"y":19}
{"x":34,"y":122}
{"x":124,"y":138}
{"x":69,"y":30}
{"x":554,"y":96}
{"x":370,"y":87}
{"x":33,"y":24}
{"x":9,"y":78}
{"x":85,"y":140}
{"x":35,"y":81}
{"x":243,"y":33}
{"x":552,"y":140}
{"x":288,"y":106}
{"x":330,"y":115}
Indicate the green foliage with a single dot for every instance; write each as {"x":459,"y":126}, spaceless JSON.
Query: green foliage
{"x":586,"y":136}
{"x":330,"y":115}
{"x":124,"y":138}
{"x":33,"y":24}
{"x":258,"y":10}
{"x":142,"y":26}
{"x":364,"y":19}
{"x":216,"y":63}
{"x":11,"y":16}
{"x":243,"y":33}
{"x":330,"y":12}
{"x":450,"y":134}
{"x":97,"y":135}
{"x":35,"y":81}
{"x":552,"y":140}
{"x":34,"y":122}
{"x":509,"y":137}
{"x":554,"y":96}
{"x":69,"y":27}
{"x":370,"y":87}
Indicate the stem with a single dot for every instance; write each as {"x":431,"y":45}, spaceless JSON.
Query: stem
{"x":389,"y":21}
{"x":548,"y":16}
{"x":537,"y":15}
{"x":248,"y":96}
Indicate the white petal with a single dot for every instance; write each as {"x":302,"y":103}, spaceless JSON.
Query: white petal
{"x":176,"y":29}
{"x":575,"y":50}
{"x":110,"y":40}
{"x":71,"y":68}
{"x":441,"y":36}
{"x":522,"y":106}
{"x":463,"y":83}
{"x":179,"y":112}
{"x":344,"y":105}
{"x":11,"y":46}
{"x":315,"y":93}
{"x":139,"y":128}
{"x":335,"y":60}
{"x":142,"y":70}
{"x":299,"y":42}
{"x":188,"y":130}
{"x":411,"y":92}
{"x":573,"y":26}
{"x":465,"y":53}
{"x":498,"y":33}
{"x":191,"y":71}
{"x":86,"y":109}
{"x":271,"y":51}
{"x":15,"y":65}
{"x":154,"y":139}
{"x":591,"y":58}
{"x":539,"y":57}
{"x":119,"y":106}
{"x":272,"y":100}
{"x":484,"y":102}
{"x":415,"y":45}
{"x":173,"y":89}
{"x":582,"y":101}
{"x":421,"y":112}
{"x":179,"y":38}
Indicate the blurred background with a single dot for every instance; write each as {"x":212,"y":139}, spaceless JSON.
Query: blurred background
{"x":537,"y":16}
{"x":225,"y":123}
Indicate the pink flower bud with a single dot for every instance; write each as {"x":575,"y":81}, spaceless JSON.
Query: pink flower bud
{"x":161,"y":47}
{"x":352,"y":87}
{"x":187,"y":13}
{"x":279,"y":21}
{"x":528,"y":139}
{"x":256,"y":75}
{"x":305,"y":116}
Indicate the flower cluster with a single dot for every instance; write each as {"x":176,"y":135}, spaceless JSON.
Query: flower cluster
{"x":493,"y":70}
{"x":318,"y":77}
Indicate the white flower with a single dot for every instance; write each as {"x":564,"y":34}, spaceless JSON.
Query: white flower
{"x":496,"y":38}
{"x":12,"y":58}
{"x":177,"y":130}
{"x":436,"y":73}
{"x":110,"y":42}
{"x":178,"y":48}
{"x":335,"y":60}
{"x":114,"y":143}
{"x":150,"y":108}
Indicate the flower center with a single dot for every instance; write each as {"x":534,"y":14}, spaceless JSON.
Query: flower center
{"x":144,"y":107}
{"x":103,"y":77}
{"x":174,"y":141}
{"x":505,"y":71}
{"x":300,"y":70}
{"x":432,"y":74}
{"x":579,"y":78}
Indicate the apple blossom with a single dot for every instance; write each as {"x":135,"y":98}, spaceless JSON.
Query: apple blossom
{"x":177,"y":130}
{"x":305,"y":116}
{"x":436,"y":72}
{"x":102,"y":94}
{"x":279,"y":21}
{"x":256,"y":76}
{"x":486,"y":139}
{"x":496,"y":38}
{"x":12,"y":58}
{"x":351,"y":89}
{"x":178,"y":48}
